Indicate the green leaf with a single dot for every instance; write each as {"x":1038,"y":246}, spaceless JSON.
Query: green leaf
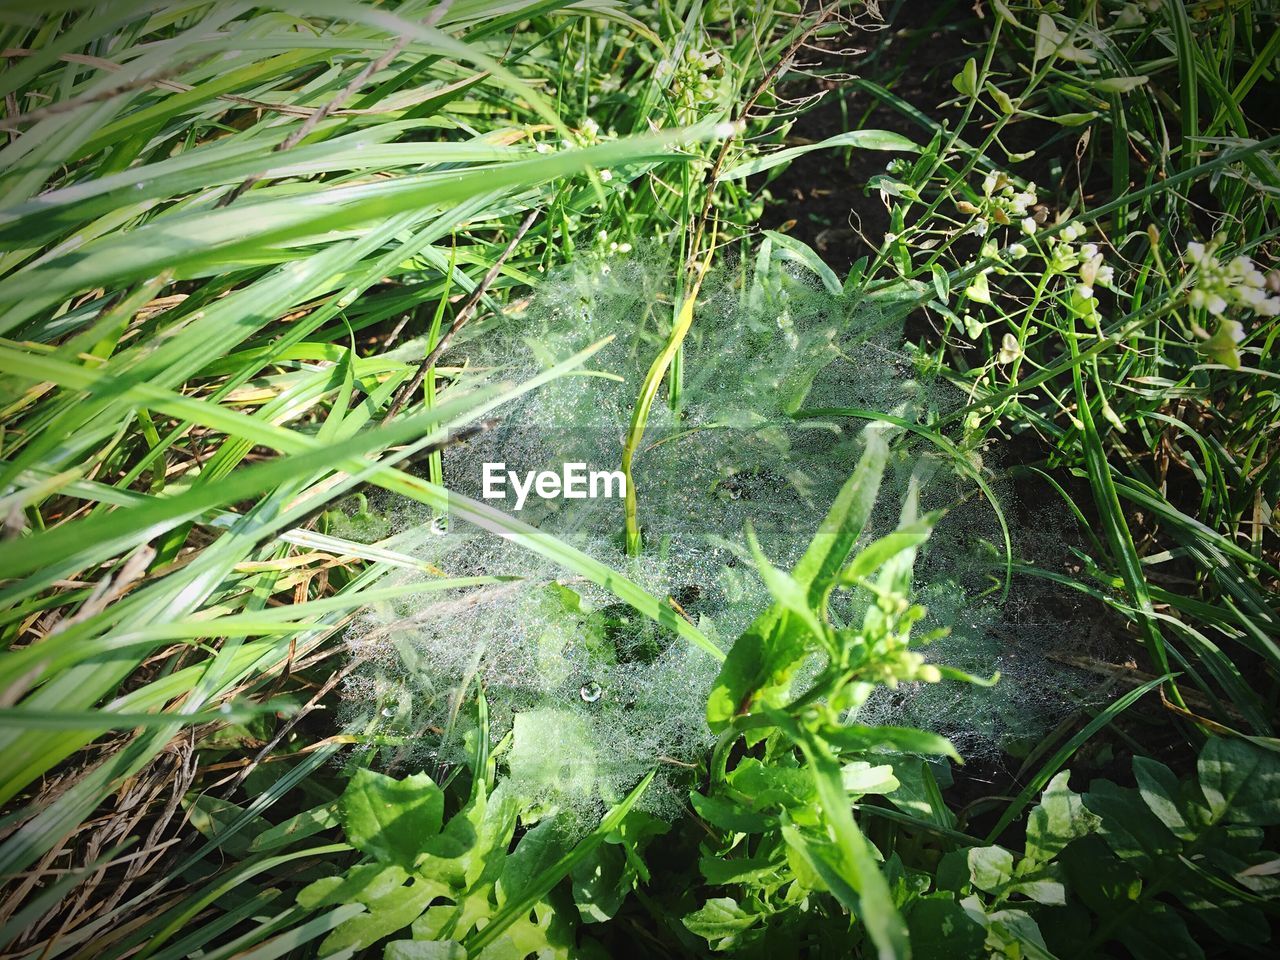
{"x":719,"y":921}
{"x":537,"y":886}
{"x":880,"y":551}
{"x":1160,"y":791}
{"x":990,"y":868}
{"x":394,"y":897}
{"x":473,"y":844}
{"x":1157,"y":932}
{"x":861,"y":139}
{"x":941,"y":929}
{"x":748,"y":870}
{"x":553,"y":751}
{"x":789,"y":594}
{"x":537,"y":850}
{"x":830,"y":547}
{"x":1097,"y":878}
{"x":601,"y":883}
{"x":966,"y":81}
{"x":758,"y":667}
{"x":1241,"y":782}
{"x":789,"y":248}
{"x":1057,"y":819}
{"x":861,"y":778}
{"x":1129,"y":828}
{"x":918,"y":793}
{"x":857,"y":736}
{"x":424,"y":950}
{"x":1120,"y":84}
{"x":727,"y":814}
{"x":391,"y":819}
{"x":941,"y":284}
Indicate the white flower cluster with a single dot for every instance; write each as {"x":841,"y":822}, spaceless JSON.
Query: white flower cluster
{"x":1002,"y":204}
{"x":1217,"y":286}
{"x":692,"y":84}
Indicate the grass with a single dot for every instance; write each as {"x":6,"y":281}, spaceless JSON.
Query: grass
{"x":236,"y":244}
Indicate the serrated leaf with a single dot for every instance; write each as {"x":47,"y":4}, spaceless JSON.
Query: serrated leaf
{"x":391,"y":819}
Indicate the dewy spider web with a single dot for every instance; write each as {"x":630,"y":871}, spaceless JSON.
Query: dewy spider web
{"x":595,"y":693}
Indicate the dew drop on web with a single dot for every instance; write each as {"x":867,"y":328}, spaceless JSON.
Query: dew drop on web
{"x":590,"y":691}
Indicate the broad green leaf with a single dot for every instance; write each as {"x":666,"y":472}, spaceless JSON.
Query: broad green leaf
{"x":601,"y":883}
{"x":861,"y":778}
{"x":537,"y":849}
{"x":1057,"y":819}
{"x":941,"y":929}
{"x":553,"y":751}
{"x":918,"y":792}
{"x":990,"y":868}
{"x":728,"y":814}
{"x":758,"y":667}
{"x":537,"y":887}
{"x":1161,"y":792}
{"x":390,"y":819}
{"x":720,"y":921}
{"x":392,"y":907}
{"x":1241,"y":781}
{"x":1129,"y":828}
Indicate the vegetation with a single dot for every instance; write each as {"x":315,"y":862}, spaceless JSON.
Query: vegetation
{"x":255,"y":266}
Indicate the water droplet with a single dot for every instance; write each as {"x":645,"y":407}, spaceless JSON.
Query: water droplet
{"x":590,"y":691}
{"x":388,"y":712}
